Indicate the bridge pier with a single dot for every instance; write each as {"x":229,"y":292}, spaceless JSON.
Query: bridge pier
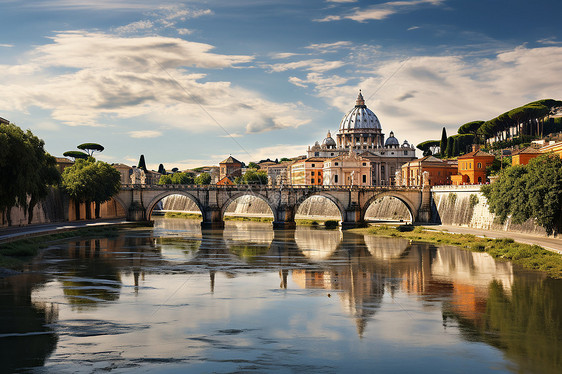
{"x":352,"y":217}
{"x":212,"y":218}
{"x":284,"y":217}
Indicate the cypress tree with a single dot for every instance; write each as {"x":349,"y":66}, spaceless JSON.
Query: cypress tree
{"x":450,"y":146}
{"x":443,"y":143}
{"x":456,"y":150}
{"x":142,"y":164}
{"x":161,"y":169}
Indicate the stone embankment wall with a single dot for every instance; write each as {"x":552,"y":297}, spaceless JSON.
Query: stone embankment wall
{"x":466,"y":206}
{"x":57,"y":207}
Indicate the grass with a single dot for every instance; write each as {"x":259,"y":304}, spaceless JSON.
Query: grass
{"x":300,"y":222}
{"x":529,"y":256}
{"x":15,"y":254}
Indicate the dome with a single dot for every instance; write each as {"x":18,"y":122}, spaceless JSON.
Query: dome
{"x":405,"y":144}
{"x":391,"y":141}
{"x":360,"y":117}
{"x":329,"y":141}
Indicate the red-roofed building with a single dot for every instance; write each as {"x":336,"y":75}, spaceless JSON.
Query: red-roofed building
{"x":472,"y":167}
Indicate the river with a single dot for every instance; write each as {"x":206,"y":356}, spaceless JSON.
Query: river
{"x":174,"y":299}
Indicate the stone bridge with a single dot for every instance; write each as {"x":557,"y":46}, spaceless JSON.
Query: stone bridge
{"x":352,"y":201}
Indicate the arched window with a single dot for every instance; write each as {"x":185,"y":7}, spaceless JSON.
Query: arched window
{"x":479,"y":167}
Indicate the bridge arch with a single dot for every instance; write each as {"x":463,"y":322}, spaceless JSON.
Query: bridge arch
{"x":240,"y":194}
{"x":326,"y":195}
{"x":157,"y":198}
{"x":412,"y":210}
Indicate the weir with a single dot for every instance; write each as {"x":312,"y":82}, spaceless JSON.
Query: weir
{"x":212,"y":201}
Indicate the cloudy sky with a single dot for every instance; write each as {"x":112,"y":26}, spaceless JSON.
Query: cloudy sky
{"x":186,"y":83}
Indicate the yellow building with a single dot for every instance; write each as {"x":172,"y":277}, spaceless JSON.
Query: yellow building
{"x":472,"y":167}
{"x":555,"y":148}
{"x":308,"y":171}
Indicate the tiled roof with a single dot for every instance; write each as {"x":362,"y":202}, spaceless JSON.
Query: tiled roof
{"x":231,"y":160}
{"x":477,"y":153}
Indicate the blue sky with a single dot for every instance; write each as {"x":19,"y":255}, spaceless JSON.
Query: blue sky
{"x":186,"y":83}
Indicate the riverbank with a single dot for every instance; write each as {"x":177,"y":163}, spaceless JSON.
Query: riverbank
{"x":328,"y":223}
{"x":18,"y":245}
{"x":530,"y":256}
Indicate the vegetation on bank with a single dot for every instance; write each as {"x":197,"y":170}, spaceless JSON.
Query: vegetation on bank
{"x":529,"y":256}
{"x":328,"y":223}
{"x":15,"y":254}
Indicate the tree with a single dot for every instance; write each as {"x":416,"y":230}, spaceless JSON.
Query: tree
{"x":177,"y":178}
{"x":76,"y":155}
{"x":142,"y":163}
{"x":526,"y":192}
{"x":91,"y":181}
{"x":428,"y":147}
{"x":254,"y":177}
{"x":203,"y":179}
{"x":443,"y":143}
{"x":470,"y":127}
{"x":455,"y":151}
{"x":450,"y":145}
{"x":253,"y":165}
{"x":161,"y":169}
{"x":26,"y":170}
{"x":90,"y":148}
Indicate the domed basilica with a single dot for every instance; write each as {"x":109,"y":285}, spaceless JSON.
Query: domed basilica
{"x":360,"y":136}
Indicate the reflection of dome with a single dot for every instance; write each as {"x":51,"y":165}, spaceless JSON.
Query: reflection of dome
{"x":391,"y":141}
{"x":360,"y":117}
{"x":329,"y":142}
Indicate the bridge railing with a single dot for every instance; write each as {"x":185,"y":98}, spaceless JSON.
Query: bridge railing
{"x":257,"y":187}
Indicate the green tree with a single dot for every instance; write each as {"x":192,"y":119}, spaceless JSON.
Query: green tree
{"x":470,"y":127}
{"x":253,"y":165}
{"x":450,"y":146}
{"x":76,"y":155}
{"x":443,"y":143}
{"x":91,"y":181}
{"x":90,"y":148}
{"x":455,"y":146}
{"x":177,"y":178}
{"x":428,"y":146}
{"x":254,"y":177}
{"x":531,"y":191}
{"x":203,"y":179}
{"x":142,"y":163}
{"x":161,"y":169}
{"x":26,"y":170}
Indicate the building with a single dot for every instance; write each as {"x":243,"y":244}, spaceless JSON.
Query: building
{"x":523,"y":156}
{"x":308,"y":171}
{"x":230,"y":167}
{"x":226,"y":181}
{"x":555,"y":148}
{"x":347,"y":170}
{"x":62,"y":163}
{"x":361,"y":132}
{"x":472,"y":167}
{"x":277,"y":175}
{"x":435,"y":171}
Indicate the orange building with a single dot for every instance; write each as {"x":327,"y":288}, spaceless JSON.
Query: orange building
{"x":523,"y":156}
{"x":308,"y":171}
{"x":439,"y":172}
{"x":230,"y":167}
{"x":472,"y":167}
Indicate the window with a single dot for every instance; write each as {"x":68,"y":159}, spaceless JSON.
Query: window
{"x":312,"y":173}
{"x":405,"y":153}
{"x":331,"y":154}
{"x":479,"y":167}
{"x":364,"y":178}
{"x":336,"y":178}
{"x":312,"y":181}
{"x":312,"y":165}
{"x":479,"y":179}
{"x":336,"y":164}
{"x":470,"y":165}
{"x":316,"y":153}
{"x":364,"y":164}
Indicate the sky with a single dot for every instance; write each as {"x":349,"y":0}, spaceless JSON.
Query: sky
{"x":188,"y":83}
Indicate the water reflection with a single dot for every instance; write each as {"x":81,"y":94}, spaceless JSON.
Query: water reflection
{"x":272,"y":289}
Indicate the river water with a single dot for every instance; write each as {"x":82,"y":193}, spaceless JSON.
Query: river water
{"x":174,"y":299}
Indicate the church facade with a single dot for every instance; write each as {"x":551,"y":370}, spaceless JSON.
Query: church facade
{"x":360,"y":134}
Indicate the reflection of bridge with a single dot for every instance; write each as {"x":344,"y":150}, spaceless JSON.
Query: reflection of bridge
{"x":352,"y":202}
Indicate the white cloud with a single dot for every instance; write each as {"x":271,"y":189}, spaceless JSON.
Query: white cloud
{"x":278,"y":151}
{"x":6,"y":45}
{"x":329,"y":47}
{"x":317,"y":65}
{"x":185,"y":31}
{"x":429,"y":92}
{"x":413,"y":28}
{"x":145,"y":134}
{"x":283,"y":55}
{"x":88,"y":79}
{"x":549,"y":41}
{"x":381,"y":11}
{"x":134,"y":27}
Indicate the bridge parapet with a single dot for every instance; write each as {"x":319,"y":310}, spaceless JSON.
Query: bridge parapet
{"x":352,"y":201}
